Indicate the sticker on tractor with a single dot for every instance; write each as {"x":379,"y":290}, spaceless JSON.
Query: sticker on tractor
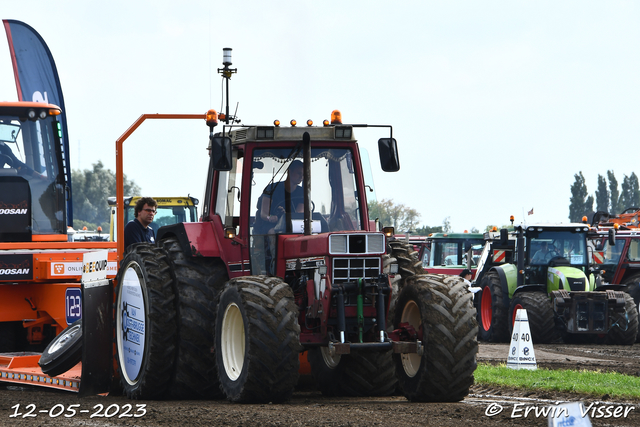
{"x":598,"y":257}
{"x":73,"y":304}
{"x":132,"y":324}
{"x":498,"y":255}
{"x":75,"y":268}
{"x":16,"y":267}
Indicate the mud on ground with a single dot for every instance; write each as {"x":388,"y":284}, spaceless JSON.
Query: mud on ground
{"x":309,"y":408}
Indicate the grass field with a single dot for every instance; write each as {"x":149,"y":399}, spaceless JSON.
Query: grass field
{"x":587,"y":382}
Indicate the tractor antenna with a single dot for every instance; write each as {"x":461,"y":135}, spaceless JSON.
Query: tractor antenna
{"x":226,"y":74}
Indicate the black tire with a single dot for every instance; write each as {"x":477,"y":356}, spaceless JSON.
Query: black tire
{"x":64,"y":352}
{"x":198,"y":283}
{"x":441,"y":308}
{"x":145,"y":342}
{"x":540,"y":314}
{"x":625,"y":325}
{"x":403,"y":254}
{"x":492,"y":314}
{"x":257,"y":340}
{"x":361,"y":373}
{"x":633,"y":288}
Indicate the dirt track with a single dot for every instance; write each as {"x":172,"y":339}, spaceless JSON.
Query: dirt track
{"x":310,"y":408}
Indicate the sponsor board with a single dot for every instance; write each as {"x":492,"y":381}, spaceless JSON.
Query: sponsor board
{"x":76,"y":268}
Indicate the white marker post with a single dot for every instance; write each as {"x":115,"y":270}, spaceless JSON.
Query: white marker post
{"x":521,"y":354}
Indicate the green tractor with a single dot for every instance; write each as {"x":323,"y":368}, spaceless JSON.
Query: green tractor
{"x":545,"y":270}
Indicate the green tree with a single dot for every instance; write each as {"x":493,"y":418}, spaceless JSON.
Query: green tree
{"x":446,"y":225}
{"x":602,"y":195}
{"x":91,"y":188}
{"x":402,"y":218}
{"x":614,"y":194}
{"x":426,"y":230}
{"x":578,"y":206}
{"x":630,"y":194}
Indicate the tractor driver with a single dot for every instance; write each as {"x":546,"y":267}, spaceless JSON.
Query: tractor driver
{"x":544,"y":254}
{"x":279,"y":198}
{"x":7,"y":158}
{"x":138,"y":230}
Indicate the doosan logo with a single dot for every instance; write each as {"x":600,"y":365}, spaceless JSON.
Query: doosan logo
{"x":4,"y":271}
{"x":13,"y":211}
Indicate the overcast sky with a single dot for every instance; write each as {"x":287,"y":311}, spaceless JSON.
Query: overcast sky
{"x":495,"y":104}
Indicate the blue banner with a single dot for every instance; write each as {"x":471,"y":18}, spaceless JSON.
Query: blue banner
{"x":37,"y":81}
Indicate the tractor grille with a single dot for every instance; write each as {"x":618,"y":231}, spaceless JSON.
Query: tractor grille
{"x":352,"y":269}
{"x":356,"y":244}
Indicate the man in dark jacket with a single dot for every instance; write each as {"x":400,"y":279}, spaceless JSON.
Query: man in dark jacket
{"x":138,"y":230}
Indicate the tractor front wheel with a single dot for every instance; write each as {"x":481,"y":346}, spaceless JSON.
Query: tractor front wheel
{"x":624,"y":329}
{"x":257,"y":340}
{"x":492,"y":316}
{"x":633,"y":289}
{"x":440,"y":309}
{"x":540,"y":314}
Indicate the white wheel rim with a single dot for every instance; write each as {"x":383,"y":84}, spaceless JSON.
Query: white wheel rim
{"x":329,"y":360}
{"x":411,"y":315}
{"x":63,"y":338}
{"x":232,"y":341}
{"x":130,"y":324}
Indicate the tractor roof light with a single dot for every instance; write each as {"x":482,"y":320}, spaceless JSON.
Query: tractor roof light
{"x":616,"y":226}
{"x":336,"y":117}
{"x":293,"y":123}
{"x":511,"y":218}
{"x":325,"y":122}
{"x":276,"y":123}
{"x":388,"y":231}
{"x":43,"y":114}
{"x":584,"y":219}
{"x":309,"y":122}
{"x":212,"y":118}
{"x":54,"y":112}
{"x":31,"y":114}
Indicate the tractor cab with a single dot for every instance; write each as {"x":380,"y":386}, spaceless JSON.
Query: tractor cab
{"x":32,"y":177}
{"x":556,"y":250}
{"x":287,"y":182}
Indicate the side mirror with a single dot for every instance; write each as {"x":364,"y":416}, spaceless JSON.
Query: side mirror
{"x":612,"y":237}
{"x":221,"y":153}
{"x":388,"y":150}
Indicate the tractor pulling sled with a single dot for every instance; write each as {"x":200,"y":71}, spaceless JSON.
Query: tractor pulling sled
{"x":224,"y":307}
{"x":544,"y":268}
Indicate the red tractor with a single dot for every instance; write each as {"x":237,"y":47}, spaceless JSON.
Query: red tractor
{"x":223,"y":307}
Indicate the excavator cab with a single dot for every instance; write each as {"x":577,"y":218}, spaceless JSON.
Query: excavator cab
{"x":32,"y":200}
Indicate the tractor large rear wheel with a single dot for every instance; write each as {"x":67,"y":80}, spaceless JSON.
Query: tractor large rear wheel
{"x":440,"y":308}
{"x":257,"y":340}
{"x":198,"y":282}
{"x":361,"y":373}
{"x":492,"y":316}
{"x":624,"y":329}
{"x":539,"y":313}
{"x":145,"y":323}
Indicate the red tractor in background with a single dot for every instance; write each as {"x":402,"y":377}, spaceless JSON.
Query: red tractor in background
{"x":223,"y":307}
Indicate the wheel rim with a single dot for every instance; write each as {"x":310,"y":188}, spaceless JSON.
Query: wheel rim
{"x":232,"y":341}
{"x":63,"y":338}
{"x":411,"y":315}
{"x":486,"y":308}
{"x":514,"y":312}
{"x":329,"y":360}
{"x":130,"y":324}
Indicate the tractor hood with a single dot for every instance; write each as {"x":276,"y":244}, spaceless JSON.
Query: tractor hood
{"x":567,"y":278}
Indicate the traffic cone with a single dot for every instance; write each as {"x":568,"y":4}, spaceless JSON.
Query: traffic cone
{"x":521,"y":354}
